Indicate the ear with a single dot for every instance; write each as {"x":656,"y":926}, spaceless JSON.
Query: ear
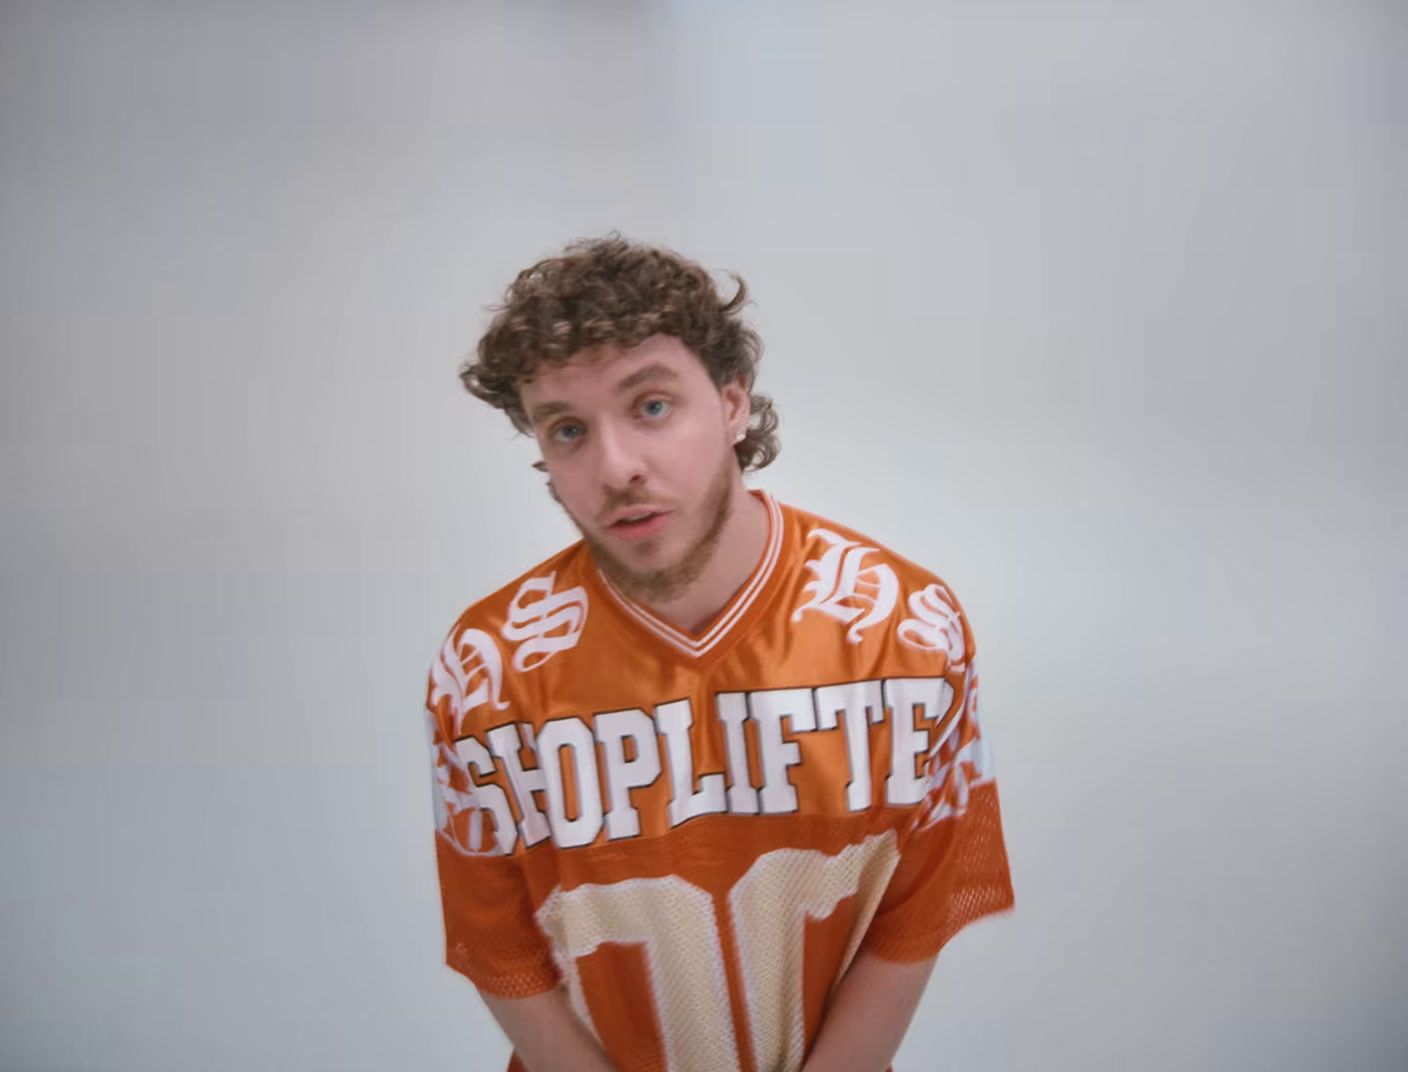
{"x":737,"y":406}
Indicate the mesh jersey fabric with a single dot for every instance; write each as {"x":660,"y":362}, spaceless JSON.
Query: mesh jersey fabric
{"x":695,"y":834}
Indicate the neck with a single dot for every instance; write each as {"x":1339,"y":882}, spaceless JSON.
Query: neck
{"x":740,"y":546}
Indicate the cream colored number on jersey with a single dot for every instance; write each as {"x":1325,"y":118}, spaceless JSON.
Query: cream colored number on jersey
{"x":673,"y":920}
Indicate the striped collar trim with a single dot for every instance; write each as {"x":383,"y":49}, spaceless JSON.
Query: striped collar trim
{"x":697,"y":646}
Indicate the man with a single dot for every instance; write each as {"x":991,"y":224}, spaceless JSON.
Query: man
{"x":711,"y":792}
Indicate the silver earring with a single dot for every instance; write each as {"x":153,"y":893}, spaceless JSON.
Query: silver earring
{"x":739,"y":437}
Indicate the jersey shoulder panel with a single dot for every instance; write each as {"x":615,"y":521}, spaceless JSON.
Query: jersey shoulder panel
{"x":503,"y":637}
{"x":879,"y":596}
{"x":813,"y":527}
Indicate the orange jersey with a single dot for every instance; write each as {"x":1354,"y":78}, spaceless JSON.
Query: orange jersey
{"x":696,"y":834}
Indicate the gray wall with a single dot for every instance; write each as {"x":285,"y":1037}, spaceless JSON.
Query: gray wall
{"x":1089,"y":307}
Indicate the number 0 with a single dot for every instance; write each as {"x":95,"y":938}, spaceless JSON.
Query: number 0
{"x":768,"y":907}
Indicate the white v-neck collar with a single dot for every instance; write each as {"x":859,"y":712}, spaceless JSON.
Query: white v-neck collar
{"x":737,"y":608}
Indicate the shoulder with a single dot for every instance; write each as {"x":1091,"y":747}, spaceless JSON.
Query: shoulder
{"x":844,"y":568}
{"x":818,"y":535}
{"x":514,"y":628}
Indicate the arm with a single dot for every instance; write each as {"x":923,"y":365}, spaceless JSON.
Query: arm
{"x":868,"y":1015}
{"x":547,"y":1033}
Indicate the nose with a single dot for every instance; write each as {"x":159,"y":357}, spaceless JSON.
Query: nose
{"x":620,"y":460}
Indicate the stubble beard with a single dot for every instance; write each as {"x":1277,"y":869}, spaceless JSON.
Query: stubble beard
{"x":669,"y":582}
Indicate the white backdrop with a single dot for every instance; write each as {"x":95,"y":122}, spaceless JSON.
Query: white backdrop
{"x":1089,"y":307}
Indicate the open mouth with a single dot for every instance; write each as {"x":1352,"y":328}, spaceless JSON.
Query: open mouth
{"x":641,"y":520}
{"x":641,"y":526}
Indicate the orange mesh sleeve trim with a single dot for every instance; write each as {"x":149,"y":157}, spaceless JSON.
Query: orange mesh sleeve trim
{"x":491,"y":935}
{"x":950,"y":875}
{"x":530,"y":980}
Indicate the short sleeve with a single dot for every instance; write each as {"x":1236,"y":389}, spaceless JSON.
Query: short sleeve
{"x":953,"y":866}
{"x":491,"y":934}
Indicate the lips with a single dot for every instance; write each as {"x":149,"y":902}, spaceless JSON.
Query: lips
{"x":634,"y":512}
{"x":638,"y":530}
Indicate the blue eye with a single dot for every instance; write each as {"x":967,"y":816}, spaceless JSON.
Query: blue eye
{"x":560,"y":428}
{"x":658,"y":401}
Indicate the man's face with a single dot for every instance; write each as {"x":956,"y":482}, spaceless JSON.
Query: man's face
{"x":635,"y":430}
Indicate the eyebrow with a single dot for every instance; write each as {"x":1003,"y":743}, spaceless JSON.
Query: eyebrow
{"x":656,"y":371}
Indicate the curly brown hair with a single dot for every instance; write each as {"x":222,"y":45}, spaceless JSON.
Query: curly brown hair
{"x":611,"y":289}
